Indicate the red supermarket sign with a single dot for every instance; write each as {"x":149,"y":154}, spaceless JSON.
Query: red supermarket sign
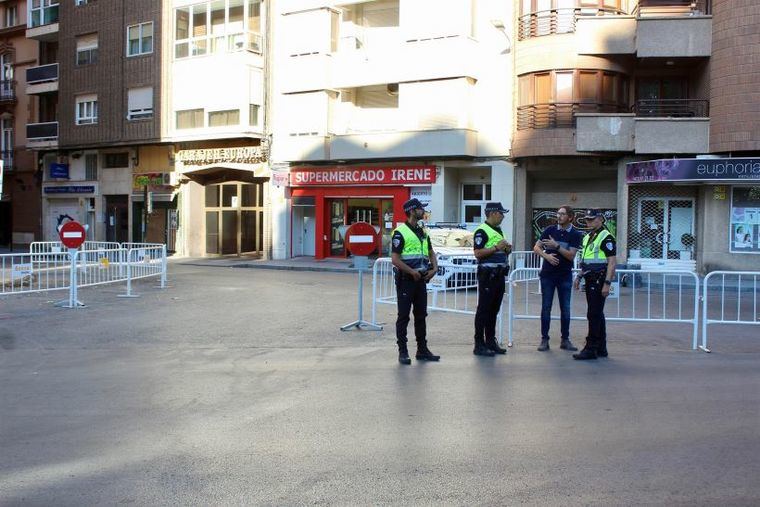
{"x":340,"y":176}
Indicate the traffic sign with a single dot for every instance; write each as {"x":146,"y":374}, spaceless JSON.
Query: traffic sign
{"x":361,"y":239}
{"x":72,"y":234}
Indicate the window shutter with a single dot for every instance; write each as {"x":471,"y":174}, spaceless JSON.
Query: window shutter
{"x":140,"y":98}
{"x":89,"y":41}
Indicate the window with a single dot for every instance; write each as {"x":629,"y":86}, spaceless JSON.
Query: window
{"x":217,"y":26}
{"x":87,"y":109}
{"x":474,"y":199}
{"x":224,"y":118}
{"x":140,"y":39}
{"x":7,"y":90}
{"x":140,"y":103}
{"x":43,"y":12}
{"x":253,"y":115}
{"x":11,"y":16}
{"x":82,"y":2}
{"x":745,"y":220}
{"x":116,"y":160}
{"x":190,"y":119}
{"x":87,"y":49}
{"x":6,"y":143}
{"x":91,"y":166}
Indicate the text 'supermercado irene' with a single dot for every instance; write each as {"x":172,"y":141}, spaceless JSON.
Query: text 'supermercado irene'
{"x":705,"y":210}
{"x":325,"y":201}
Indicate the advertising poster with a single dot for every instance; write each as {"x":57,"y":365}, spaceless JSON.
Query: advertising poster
{"x":544,"y":217}
{"x":745,"y":220}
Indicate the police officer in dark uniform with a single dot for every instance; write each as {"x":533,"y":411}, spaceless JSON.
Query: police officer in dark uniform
{"x":491,"y":251}
{"x":598,"y":270}
{"x":414,"y":264}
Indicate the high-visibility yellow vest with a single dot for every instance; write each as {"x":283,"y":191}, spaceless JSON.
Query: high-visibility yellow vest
{"x":416,"y":251}
{"x":592,"y":255}
{"x":498,"y":258}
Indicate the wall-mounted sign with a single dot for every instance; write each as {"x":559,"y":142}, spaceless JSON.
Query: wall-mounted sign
{"x":154,"y":181}
{"x":59,"y":170}
{"x":70,"y":189}
{"x":209,"y":156}
{"x":694,"y":169}
{"x":280,"y":179}
{"x":341,"y":176}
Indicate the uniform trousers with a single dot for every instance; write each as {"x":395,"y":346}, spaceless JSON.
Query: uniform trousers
{"x":411,"y":294}
{"x":491,"y":287}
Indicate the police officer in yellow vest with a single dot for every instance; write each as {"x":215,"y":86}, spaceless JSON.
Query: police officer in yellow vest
{"x":598,"y":270}
{"x":491,"y":251}
{"x":414,"y":264}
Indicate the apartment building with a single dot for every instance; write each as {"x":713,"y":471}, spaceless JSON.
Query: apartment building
{"x":19,"y":177}
{"x":216,"y":121}
{"x":378,"y":101}
{"x":97,"y":130}
{"x":644,"y":109}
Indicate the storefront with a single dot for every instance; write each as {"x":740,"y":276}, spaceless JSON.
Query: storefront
{"x":223,"y":201}
{"x":325,"y":201}
{"x":705,"y":210}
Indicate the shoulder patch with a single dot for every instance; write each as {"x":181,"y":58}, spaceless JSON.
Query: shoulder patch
{"x":478,"y":241}
{"x":609,"y":245}
{"x":396,"y":242}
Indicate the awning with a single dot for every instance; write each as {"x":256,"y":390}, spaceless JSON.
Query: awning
{"x":219,"y":173}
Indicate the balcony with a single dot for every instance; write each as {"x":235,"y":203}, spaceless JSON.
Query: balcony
{"x":7,"y":158}
{"x":43,"y":21}
{"x":654,"y":127}
{"x":42,"y":79}
{"x":42,"y":135}
{"x":559,"y":115}
{"x":558,"y":21}
{"x":7,"y":92}
{"x":674,"y":37}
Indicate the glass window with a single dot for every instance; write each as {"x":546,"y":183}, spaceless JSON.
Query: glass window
{"x":230,"y":196}
{"x":472,"y":192}
{"x":564,"y":87}
{"x":86,"y":109}
{"x":224,"y":118}
{"x":745,"y":220}
{"x":182,"y":24}
{"x":190,"y":119}
{"x":212,"y":196}
{"x":87,"y":49}
{"x":140,"y":39}
{"x":254,"y":16}
{"x":253,"y":115}
{"x":91,"y":166}
{"x":543,"y":89}
{"x":473,"y":213}
{"x":236,"y":16}
{"x":140,"y":103}
{"x":525,"y":84}
{"x":588,"y":86}
{"x":116,"y":160}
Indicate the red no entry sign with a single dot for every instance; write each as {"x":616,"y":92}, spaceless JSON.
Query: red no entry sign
{"x":361,"y":239}
{"x":72,"y":234}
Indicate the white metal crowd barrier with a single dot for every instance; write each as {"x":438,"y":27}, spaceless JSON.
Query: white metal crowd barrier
{"x":729,"y":297}
{"x":454,"y":289}
{"x":648,"y":296}
{"x":97,"y":263}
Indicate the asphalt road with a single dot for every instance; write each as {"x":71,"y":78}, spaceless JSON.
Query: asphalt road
{"x":235,"y":386}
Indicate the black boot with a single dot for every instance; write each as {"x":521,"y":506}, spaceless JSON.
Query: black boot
{"x":481,"y":349}
{"x":493,"y":345}
{"x":585,"y":354}
{"x":544,"y":345}
{"x":403,"y":354}
{"x":566,"y":344}
{"x":424,"y":354}
{"x":601,"y":350}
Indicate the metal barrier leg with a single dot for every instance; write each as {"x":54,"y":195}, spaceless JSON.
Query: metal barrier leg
{"x":73,"y":301}
{"x":361,"y":323}
{"x":129,"y":278}
{"x":163,"y":268}
{"x":510,"y":307}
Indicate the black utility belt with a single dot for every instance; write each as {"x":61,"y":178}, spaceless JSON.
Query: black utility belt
{"x":493,"y":270}
{"x":406,"y":276}
{"x":595,"y":275}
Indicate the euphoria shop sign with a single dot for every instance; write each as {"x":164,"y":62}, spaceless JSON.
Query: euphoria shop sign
{"x":694,"y":169}
{"x":342,"y":176}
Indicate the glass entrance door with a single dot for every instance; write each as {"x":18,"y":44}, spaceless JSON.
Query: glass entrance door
{"x":665,"y":228}
{"x":235,"y":218}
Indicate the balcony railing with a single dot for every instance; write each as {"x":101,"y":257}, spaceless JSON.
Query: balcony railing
{"x":42,"y":131}
{"x":672,"y":108}
{"x":559,"y":115}
{"x":7,"y":91}
{"x":555,"y":21}
{"x":42,"y":74}
{"x":647,"y":8}
{"x":7,"y":156}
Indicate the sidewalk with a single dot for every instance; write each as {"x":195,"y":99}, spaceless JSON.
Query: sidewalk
{"x":294,"y":264}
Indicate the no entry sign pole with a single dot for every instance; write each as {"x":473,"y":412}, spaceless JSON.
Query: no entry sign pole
{"x":72,"y":236}
{"x":361,"y":240}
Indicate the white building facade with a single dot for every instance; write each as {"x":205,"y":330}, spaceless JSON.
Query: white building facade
{"x":379,"y":101}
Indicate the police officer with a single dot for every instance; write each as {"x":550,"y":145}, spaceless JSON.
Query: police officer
{"x":414,"y":265}
{"x":598,"y":252}
{"x":491,"y":251}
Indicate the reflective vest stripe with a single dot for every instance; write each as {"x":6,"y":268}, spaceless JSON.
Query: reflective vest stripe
{"x":496,"y":259}
{"x":416,"y":251}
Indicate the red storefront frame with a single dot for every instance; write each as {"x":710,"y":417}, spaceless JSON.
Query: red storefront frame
{"x":398,"y":194}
